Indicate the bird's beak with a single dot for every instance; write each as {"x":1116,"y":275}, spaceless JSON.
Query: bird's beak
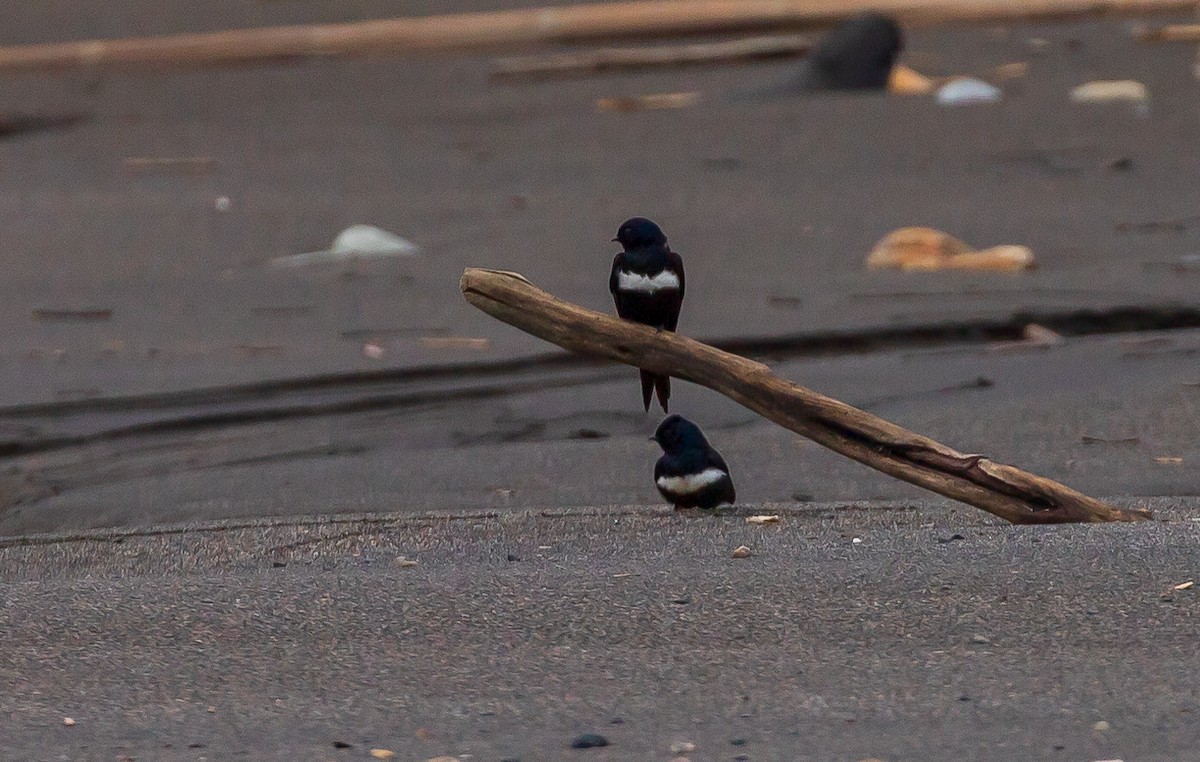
{"x":615,"y":240}
{"x":651,"y":439}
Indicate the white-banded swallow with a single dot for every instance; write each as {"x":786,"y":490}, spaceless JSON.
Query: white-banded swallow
{"x":647,"y":285}
{"x":690,"y":474}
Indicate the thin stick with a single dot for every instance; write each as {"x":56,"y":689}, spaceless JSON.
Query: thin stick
{"x":594,"y":21}
{"x":625,"y":59}
{"x":1005,"y":491}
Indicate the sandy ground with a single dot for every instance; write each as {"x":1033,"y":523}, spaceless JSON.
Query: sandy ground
{"x":775,"y":202}
{"x":222,"y":387}
{"x":551,"y":597}
{"x":900,"y":633}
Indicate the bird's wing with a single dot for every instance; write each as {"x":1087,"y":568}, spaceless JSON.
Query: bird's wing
{"x":612,"y":276}
{"x":675,"y":262}
{"x":714,"y":459}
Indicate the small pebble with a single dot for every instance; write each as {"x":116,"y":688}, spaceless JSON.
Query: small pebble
{"x":683,"y":747}
{"x":69,"y":722}
{"x":741,"y":551}
{"x":980,"y":639}
{"x":589,"y":741}
{"x":382,"y":753}
{"x":1102,"y":727}
{"x":222,"y":204}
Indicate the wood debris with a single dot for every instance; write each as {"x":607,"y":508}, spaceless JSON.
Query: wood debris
{"x":1110,"y":90}
{"x":455,"y":342}
{"x":922,"y":249}
{"x":1169,"y":33}
{"x":906,"y":81}
{"x":763,"y":519}
{"x":650,"y":102}
{"x":1009,"y":71}
{"x":624,"y":59}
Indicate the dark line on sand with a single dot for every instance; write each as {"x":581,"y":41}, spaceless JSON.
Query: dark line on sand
{"x":259,"y":408}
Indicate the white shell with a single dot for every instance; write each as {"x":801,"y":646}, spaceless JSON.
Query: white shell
{"x":356,"y":241}
{"x":963,"y":91}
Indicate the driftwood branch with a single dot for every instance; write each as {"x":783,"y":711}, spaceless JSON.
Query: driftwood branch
{"x":1005,"y":491}
{"x":532,"y":26}
{"x":1170,"y":33}
{"x":659,"y":56}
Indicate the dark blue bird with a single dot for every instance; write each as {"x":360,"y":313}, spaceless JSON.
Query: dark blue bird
{"x":690,"y":474}
{"x":647,"y":285}
{"x":857,"y":54}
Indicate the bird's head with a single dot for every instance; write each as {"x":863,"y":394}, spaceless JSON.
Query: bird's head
{"x":639,"y":232}
{"x":677,"y":433}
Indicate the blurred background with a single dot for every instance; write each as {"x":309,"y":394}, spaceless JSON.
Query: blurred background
{"x":186,"y":338}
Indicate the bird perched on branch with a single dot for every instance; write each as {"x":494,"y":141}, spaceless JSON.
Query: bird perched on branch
{"x":647,"y":285}
{"x":690,"y":474}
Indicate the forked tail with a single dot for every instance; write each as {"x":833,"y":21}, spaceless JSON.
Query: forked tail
{"x":652,"y":383}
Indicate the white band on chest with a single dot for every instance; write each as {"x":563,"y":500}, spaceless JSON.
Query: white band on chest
{"x":686,"y":485}
{"x":664,"y":281}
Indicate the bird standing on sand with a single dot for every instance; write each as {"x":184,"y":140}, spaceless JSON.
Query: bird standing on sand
{"x":647,"y":285}
{"x":691,"y":474}
{"x":857,"y":54}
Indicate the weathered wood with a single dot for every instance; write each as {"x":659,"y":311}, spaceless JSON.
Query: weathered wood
{"x":1005,"y":491}
{"x":1169,"y":33}
{"x":604,"y":60}
{"x":531,"y":26}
